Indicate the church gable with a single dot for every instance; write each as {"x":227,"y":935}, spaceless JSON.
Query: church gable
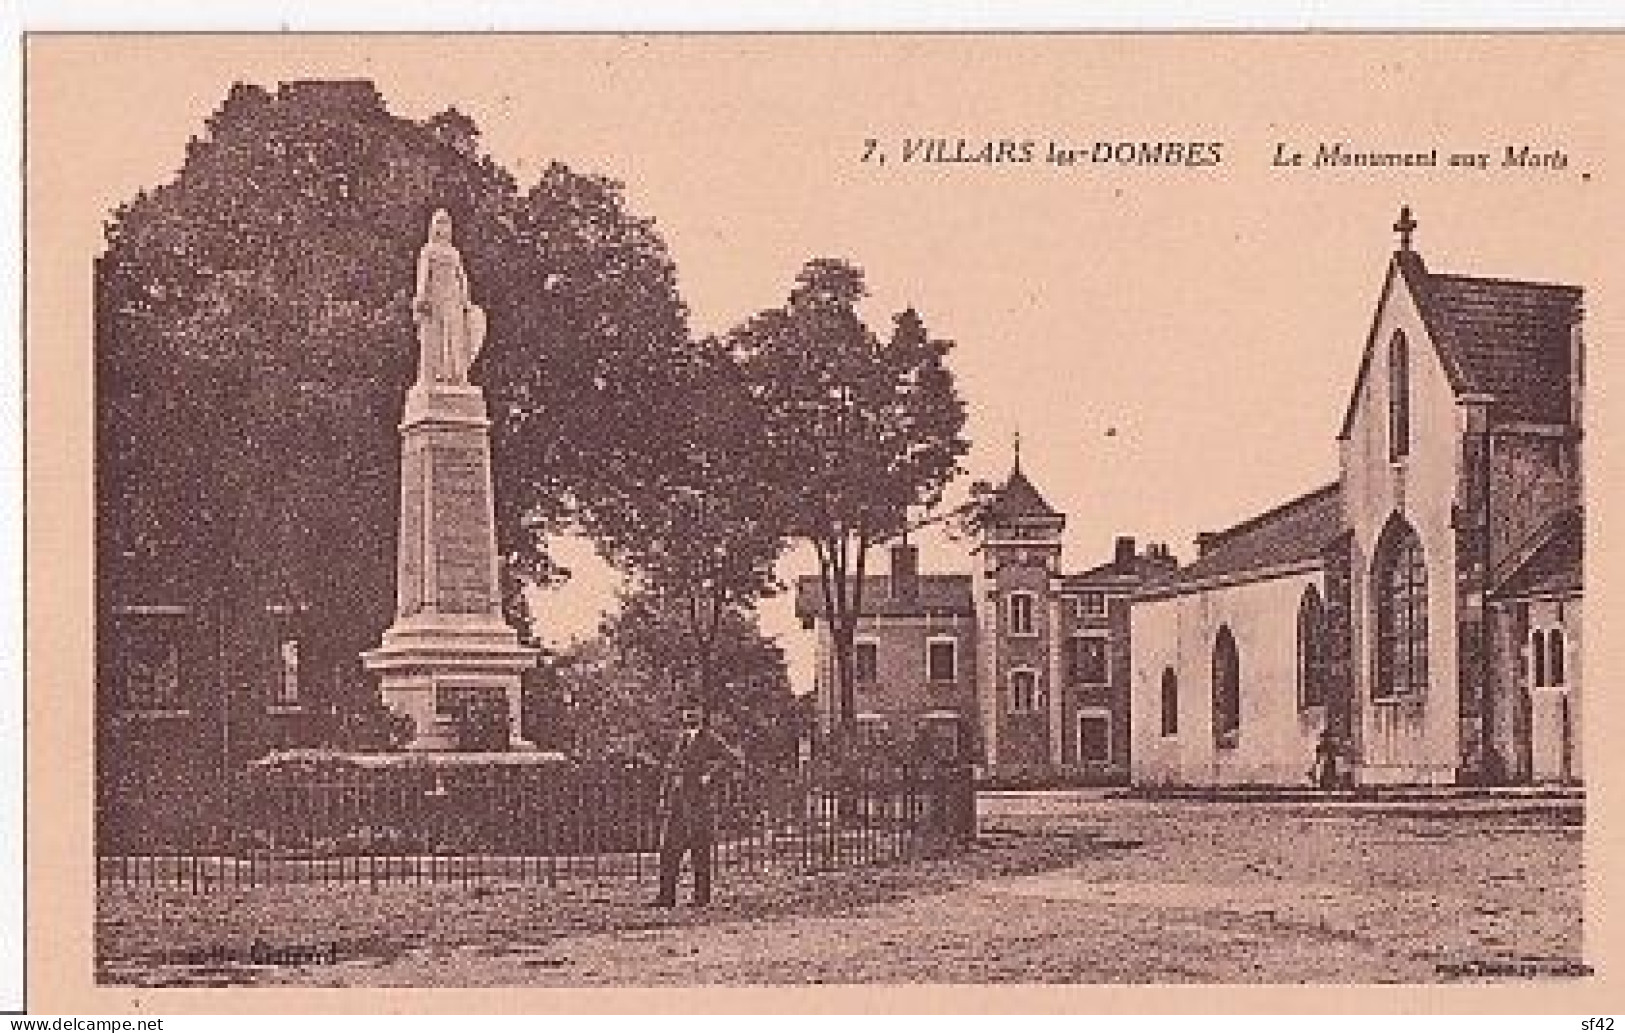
{"x":1399,"y":308}
{"x":1509,"y":341}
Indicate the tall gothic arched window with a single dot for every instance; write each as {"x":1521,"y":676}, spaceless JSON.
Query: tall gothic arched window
{"x":1314,"y":667}
{"x":1400,"y":588}
{"x":1399,"y":397}
{"x":1556,"y":661}
{"x":1226,"y":690}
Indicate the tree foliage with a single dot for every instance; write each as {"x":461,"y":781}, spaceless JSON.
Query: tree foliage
{"x":856,"y":430}
{"x":620,"y":691}
{"x":692,"y":522}
{"x":254,"y":342}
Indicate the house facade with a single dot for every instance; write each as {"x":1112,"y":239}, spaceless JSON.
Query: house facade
{"x":1016,"y":664}
{"x":1424,"y":608}
{"x":187,"y":694}
{"x":163,"y":702}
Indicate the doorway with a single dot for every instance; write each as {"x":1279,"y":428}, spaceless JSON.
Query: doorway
{"x":1094,"y":737}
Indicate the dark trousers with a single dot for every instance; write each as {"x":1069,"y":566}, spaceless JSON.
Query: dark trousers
{"x":680,"y":837}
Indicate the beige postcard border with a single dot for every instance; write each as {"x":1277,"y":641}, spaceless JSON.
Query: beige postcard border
{"x":59,"y":637}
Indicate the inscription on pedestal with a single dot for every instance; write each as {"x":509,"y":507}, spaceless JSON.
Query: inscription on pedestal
{"x":409,"y":575}
{"x":463,"y":536}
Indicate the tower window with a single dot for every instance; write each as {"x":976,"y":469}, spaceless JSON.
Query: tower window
{"x":942,"y":660}
{"x":1026,"y":694}
{"x":1021,"y":614}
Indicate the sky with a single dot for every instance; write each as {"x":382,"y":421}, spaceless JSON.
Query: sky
{"x":1175,"y":345}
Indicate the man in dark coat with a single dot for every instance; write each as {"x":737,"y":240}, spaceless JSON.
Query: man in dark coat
{"x":1327,"y":771}
{"x":688,"y":807}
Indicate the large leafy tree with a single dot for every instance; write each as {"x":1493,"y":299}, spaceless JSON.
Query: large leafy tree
{"x":856,"y":430}
{"x":693,"y":524}
{"x":643,"y":666}
{"x":254,"y":342}
{"x":593,"y":384}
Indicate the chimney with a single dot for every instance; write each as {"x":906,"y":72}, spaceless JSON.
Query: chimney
{"x":905,"y":572}
{"x":1204,"y":542}
{"x":1161,"y":558}
{"x":1123,"y":556}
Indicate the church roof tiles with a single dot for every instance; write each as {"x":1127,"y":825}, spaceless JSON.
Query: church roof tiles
{"x":1505,"y":338}
{"x":1292,"y":533}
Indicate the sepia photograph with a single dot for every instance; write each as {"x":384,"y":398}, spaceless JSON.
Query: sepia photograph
{"x":545,"y":512}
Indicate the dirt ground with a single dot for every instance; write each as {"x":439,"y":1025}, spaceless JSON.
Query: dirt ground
{"x":1060,"y":887}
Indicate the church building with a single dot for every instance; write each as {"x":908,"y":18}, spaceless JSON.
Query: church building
{"x":1423,"y":608}
{"x":1018,"y":666}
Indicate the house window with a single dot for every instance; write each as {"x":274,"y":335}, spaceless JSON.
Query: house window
{"x":1226,"y":690}
{"x":940,"y":732}
{"x":1026,"y":695}
{"x":153,"y":675}
{"x":1170,"y":702}
{"x":1402,"y":615}
{"x":1090,"y":606}
{"x":1088,"y":666}
{"x":1399,"y":398}
{"x":1313,"y":656}
{"x":874,"y":730}
{"x":287,"y":686}
{"x":1094,"y":737}
{"x":1021,"y":614}
{"x":865,"y":662}
{"x":942,"y":660}
{"x":1549,"y":658}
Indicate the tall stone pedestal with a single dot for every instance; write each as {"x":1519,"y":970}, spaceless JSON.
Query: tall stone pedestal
{"x":449,"y":654}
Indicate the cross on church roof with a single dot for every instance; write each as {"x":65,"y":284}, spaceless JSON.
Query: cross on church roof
{"x":1405,"y":227}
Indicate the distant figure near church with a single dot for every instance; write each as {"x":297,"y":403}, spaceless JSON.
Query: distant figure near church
{"x":451,"y":328}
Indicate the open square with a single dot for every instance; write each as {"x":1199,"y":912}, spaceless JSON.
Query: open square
{"x":1060,"y":887}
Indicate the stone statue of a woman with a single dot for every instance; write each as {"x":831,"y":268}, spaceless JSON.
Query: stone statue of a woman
{"x":451,"y":328}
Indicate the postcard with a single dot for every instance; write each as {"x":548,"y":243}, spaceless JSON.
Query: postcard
{"x":684,"y":522}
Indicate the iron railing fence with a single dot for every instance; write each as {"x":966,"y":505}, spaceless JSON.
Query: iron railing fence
{"x":525,"y":823}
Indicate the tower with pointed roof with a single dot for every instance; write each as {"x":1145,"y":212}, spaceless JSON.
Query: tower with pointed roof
{"x":1017,"y":568}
